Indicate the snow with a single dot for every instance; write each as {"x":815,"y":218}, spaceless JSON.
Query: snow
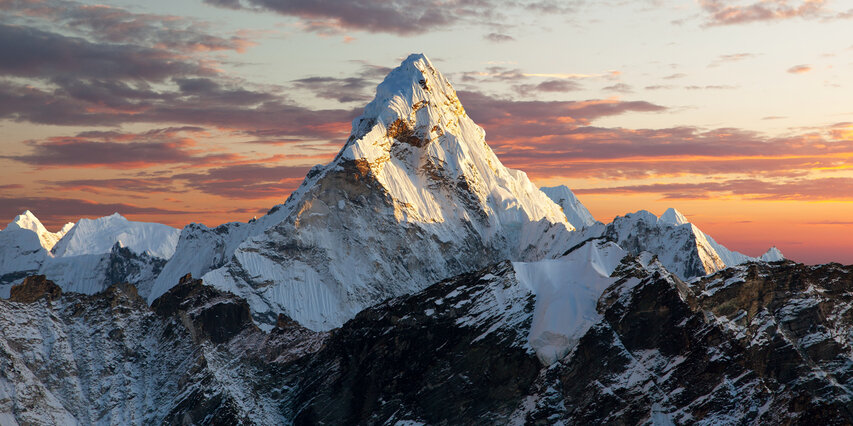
{"x":567,"y":292}
{"x":199,"y":250}
{"x":575,"y":211}
{"x":672,"y":217}
{"x":97,"y":236}
{"x":772,"y":254}
{"x":81,"y":255}
{"x":425,"y":199}
{"x":28,"y":221}
{"x":680,"y":245}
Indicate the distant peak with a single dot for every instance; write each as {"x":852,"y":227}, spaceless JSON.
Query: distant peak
{"x":673,"y":217}
{"x":26,"y":216}
{"x":27,"y":220}
{"x":772,"y":254}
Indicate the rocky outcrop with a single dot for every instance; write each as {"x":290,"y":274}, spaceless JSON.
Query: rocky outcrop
{"x":34,"y":287}
{"x":207,"y":313}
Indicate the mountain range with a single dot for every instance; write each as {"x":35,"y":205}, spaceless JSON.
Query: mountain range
{"x":415,"y":279}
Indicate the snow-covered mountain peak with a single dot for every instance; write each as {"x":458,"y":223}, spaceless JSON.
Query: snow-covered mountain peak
{"x":673,"y":217}
{"x":772,"y":254}
{"x":416,"y":140}
{"x":98,"y":236}
{"x":575,"y":211}
{"x":415,"y":195}
{"x":27,"y":220}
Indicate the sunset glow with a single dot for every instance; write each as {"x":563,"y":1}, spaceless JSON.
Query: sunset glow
{"x":737,"y":113}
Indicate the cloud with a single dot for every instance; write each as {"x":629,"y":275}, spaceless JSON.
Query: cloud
{"x":548,"y":145}
{"x":840,"y":189}
{"x":51,"y":55}
{"x":547,"y":86}
{"x":498,"y":38}
{"x":247,"y":181}
{"x":729,"y":58}
{"x":727,"y":12}
{"x":402,"y":17}
{"x":711,"y":87}
{"x":116,"y":25}
{"x":619,"y":87}
{"x":494,"y":74}
{"x":799,"y":69}
{"x":115,"y":103}
{"x":86,"y":65}
{"x":345,"y":89}
{"x":509,"y":118}
{"x":122,"y":185}
{"x":121,"y":150}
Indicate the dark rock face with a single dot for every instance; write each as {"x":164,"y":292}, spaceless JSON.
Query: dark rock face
{"x":34,"y":287}
{"x":662,"y":352}
{"x":123,"y":265}
{"x":208,"y":313}
{"x":411,"y":359}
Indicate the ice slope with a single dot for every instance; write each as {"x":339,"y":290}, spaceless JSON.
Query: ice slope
{"x":567,"y":290}
{"x":415,"y":196}
{"x":21,"y":254}
{"x":201,"y":249}
{"x":97,"y":236}
{"x":574,"y":210}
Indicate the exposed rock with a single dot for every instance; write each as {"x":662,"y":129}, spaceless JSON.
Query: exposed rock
{"x":34,"y":287}
{"x":207,"y":313}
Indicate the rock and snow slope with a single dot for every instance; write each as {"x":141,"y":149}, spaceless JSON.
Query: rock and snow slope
{"x":679,"y":245}
{"x":757,"y":344}
{"x":414,"y":196}
{"x":109,"y":358}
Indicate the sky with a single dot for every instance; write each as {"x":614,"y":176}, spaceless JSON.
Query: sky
{"x":738,"y":113}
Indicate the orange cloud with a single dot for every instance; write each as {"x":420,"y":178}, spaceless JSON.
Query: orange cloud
{"x":799,"y":69}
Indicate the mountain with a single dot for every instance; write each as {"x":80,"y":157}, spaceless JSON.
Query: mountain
{"x":109,"y":358}
{"x":416,"y":280}
{"x":86,"y":257}
{"x":22,"y":249}
{"x":575,"y":211}
{"x":97,"y":236}
{"x":414,"y":196}
{"x":679,"y":245}
{"x":757,"y":344}
{"x":27,"y":220}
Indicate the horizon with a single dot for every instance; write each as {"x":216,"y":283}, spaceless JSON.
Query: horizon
{"x":185,"y":113}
